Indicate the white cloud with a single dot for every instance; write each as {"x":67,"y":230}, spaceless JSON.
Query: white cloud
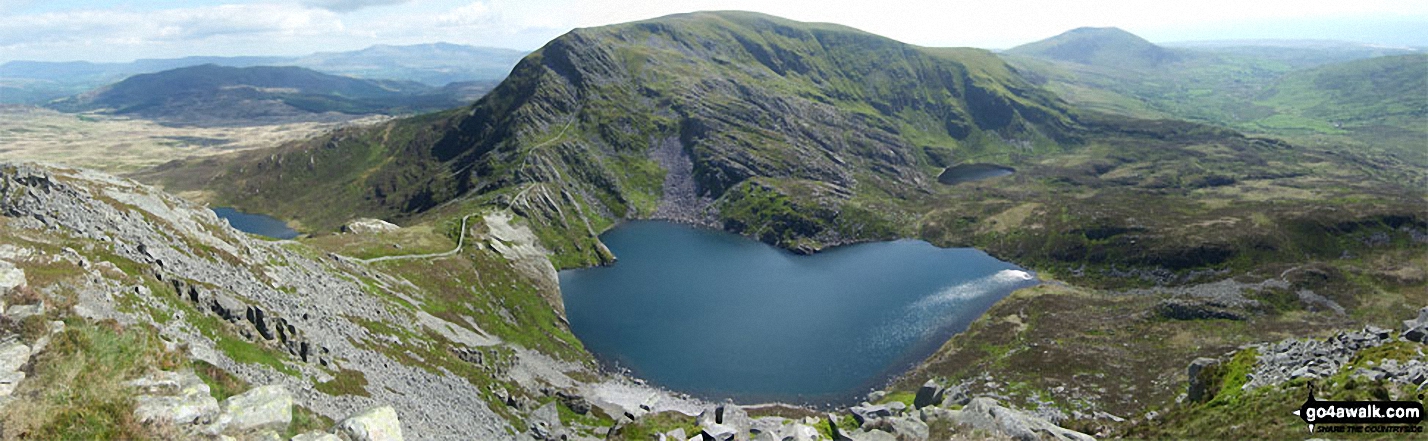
{"x":350,"y":5}
{"x":125,"y":31}
{"x":312,"y":25}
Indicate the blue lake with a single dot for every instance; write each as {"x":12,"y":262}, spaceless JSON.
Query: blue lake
{"x":256,"y":223}
{"x":721,"y":316}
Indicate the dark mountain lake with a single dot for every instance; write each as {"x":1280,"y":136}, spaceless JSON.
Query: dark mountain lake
{"x":720,"y":316}
{"x":972,"y":172}
{"x":256,"y":223}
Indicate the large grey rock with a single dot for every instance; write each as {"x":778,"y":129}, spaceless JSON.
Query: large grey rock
{"x":376,"y":424}
{"x":934,"y":413}
{"x":13,"y":355}
{"x":985,"y":414}
{"x":1417,"y":328}
{"x":369,"y":226}
{"x":909,"y":429}
{"x":10,"y":277}
{"x":9,"y":381}
{"x":801,"y":432}
{"x":930,"y":393}
{"x":178,"y":398}
{"x":719,"y":432}
{"x":677,"y":434}
{"x":21,"y":312}
{"x":1198,"y":385}
{"x":545,"y":422}
{"x":261,"y":408}
{"x":734,"y":417}
{"x":866,"y":414}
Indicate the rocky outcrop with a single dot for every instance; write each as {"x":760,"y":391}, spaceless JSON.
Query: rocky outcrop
{"x":1313,"y":358}
{"x":985,"y":414}
{"x":375,"y":424}
{"x":182,"y":400}
{"x":261,"y":408}
{"x":519,"y":245}
{"x":1416,"y":329}
{"x":369,"y":226}
{"x":1199,"y":385}
{"x":296,"y":305}
{"x":175,"y":398}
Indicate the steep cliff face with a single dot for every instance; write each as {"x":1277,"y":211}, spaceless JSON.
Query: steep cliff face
{"x":581,"y":127}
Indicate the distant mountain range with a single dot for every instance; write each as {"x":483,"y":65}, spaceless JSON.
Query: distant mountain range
{"x":432,"y":64}
{"x":221,"y":95}
{"x":1316,"y":92}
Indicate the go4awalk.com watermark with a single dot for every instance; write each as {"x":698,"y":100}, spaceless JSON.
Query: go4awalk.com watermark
{"x":1362,"y":416}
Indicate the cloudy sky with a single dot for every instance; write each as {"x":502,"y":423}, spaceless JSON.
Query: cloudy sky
{"x":116,"y":30}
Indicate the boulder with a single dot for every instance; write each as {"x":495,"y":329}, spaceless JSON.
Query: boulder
{"x":10,"y":277}
{"x":369,"y":226}
{"x":801,"y":432}
{"x":909,"y":429}
{"x":866,"y":414}
{"x":177,"y":398}
{"x":930,"y":393}
{"x":985,"y":414}
{"x":13,"y":355}
{"x":677,"y":434}
{"x":1417,"y":329}
{"x":376,"y":424}
{"x":735,"y":417}
{"x":955,"y":395}
{"x":261,"y":408}
{"x":1199,"y":386}
{"x":719,"y":432}
{"x":9,"y":381}
{"x":933,"y":413}
{"x":21,"y":312}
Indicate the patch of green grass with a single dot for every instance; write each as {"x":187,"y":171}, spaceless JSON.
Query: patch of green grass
{"x":221,"y":384}
{"x":650,"y":426}
{"x":590,"y":419}
{"x":305,"y":420}
{"x":346,"y":382}
{"x":244,"y":351}
{"x":77,"y":391}
{"x":1233,"y":375}
{"x":905,"y":397}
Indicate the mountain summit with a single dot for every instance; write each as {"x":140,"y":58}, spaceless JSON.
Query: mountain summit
{"x":1107,"y":47}
{"x":705,"y":114}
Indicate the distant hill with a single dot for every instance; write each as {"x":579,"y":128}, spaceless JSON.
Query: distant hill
{"x":1295,"y":53}
{"x":1381,"y":100}
{"x":1110,"y":47}
{"x":221,"y":95}
{"x":33,"y":82}
{"x":434,"y":64}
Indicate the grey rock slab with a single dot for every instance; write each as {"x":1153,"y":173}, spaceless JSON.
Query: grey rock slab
{"x":984,"y":413}
{"x":9,"y":381}
{"x":375,"y":424}
{"x":21,"y":312}
{"x":719,"y":432}
{"x":10,"y":277}
{"x":13,"y":355}
{"x":264,"y":407}
{"x":908,"y":428}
